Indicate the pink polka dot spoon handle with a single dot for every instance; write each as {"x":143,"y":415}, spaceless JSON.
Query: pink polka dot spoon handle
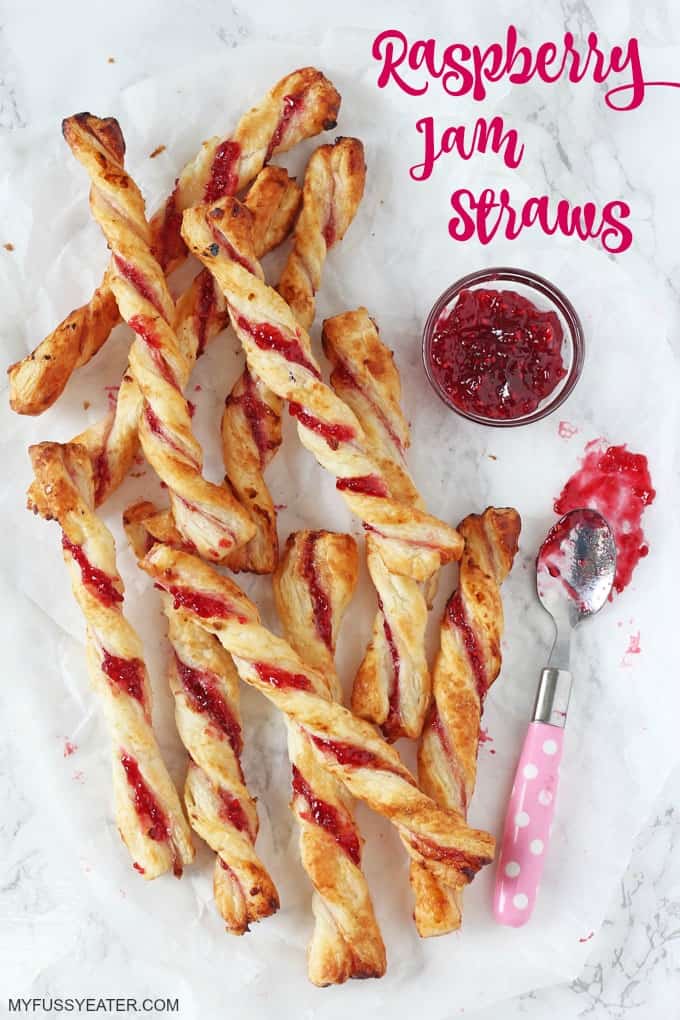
{"x":527,"y":825}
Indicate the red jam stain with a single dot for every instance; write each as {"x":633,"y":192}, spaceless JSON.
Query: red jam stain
{"x":144,"y":329}
{"x":617,"y":483}
{"x":204,"y":309}
{"x":392,"y":725}
{"x":256,"y":412}
{"x":457,"y":616}
{"x":341,"y":375}
{"x":632,"y":649}
{"x":69,"y":748}
{"x":291,"y":104}
{"x":565,"y":430}
{"x":146,"y":805}
{"x":205,"y":606}
{"x":466,"y":864}
{"x":112,"y":396}
{"x":281,"y":678}
{"x":269,"y":338}
{"x":334,"y":434}
{"x":203,"y":693}
{"x":326,"y":815}
{"x":159,"y":429}
{"x":97,"y":581}
{"x":484,"y":737}
{"x":135,"y":276}
{"x":224,"y":175}
{"x":169,"y":245}
{"x":233,"y":253}
{"x":359,"y":757}
{"x":232,"y":811}
{"x":139,"y":868}
{"x":495,"y":354}
{"x":588,"y":937}
{"x":127,"y":674}
{"x":367,"y":485}
{"x":321,"y":607}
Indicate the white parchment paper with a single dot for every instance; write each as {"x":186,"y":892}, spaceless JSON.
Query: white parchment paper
{"x":396,"y":259}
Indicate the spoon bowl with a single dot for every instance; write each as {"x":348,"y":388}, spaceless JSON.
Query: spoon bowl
{"x":576,"y":565}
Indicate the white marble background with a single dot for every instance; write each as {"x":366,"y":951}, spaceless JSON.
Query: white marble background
{"x":633,"y":968}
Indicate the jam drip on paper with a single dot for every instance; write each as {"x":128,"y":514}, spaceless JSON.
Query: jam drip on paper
{"x":618,"y":484}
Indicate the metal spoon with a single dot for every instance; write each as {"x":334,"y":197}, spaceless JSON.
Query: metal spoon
{"x":575,"y":571}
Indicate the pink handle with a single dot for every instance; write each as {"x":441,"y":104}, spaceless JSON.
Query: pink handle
{"x":527,"y":825}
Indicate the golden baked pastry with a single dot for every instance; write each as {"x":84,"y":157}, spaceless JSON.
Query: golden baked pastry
{"x":313,"y":585}
{"x":468,"y":662}
{"x":205,"y":686}
{"x":278,"y":351}
{"x":251,"y":424}
{"x":207,"y":515}
{"x":392,"y":686}
{"x":347,"y":746}
{"x":299,"y":106}
{"x":147,"y":809}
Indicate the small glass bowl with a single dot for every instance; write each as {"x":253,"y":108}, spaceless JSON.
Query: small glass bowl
{"x":547,"y":298}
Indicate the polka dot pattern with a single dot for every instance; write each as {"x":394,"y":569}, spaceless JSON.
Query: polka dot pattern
{"x":527,"y":825}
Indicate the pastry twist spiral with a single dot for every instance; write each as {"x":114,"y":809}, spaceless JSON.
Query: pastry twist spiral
{"x":148,"y":812}
{"x":468,"y":662}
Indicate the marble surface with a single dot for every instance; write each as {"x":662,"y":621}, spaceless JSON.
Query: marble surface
{"x":54,"y":938}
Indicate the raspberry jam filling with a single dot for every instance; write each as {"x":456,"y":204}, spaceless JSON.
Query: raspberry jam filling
{"x":334,"y":434}
{"x":269,"y":338}
{"x":144,"y":329}
{"x":366,"y":485}
{"x":223,"y":178}
{"x":350,"y":754}
{"x":258,"y":413}
{"x":496,"y":355}
{"x":618,"y":484}
{"x":146,"y":805}
{"x":457,"y":616}
{"x":323,"y":620}
{"x":203,"y":694}
{"x":291,"y":104}
{"x":98,"y":581}
{"x":204,"y":310}
{"x":205,"y":606}
{"x":392,"y":726}
{"x":127,"y":674}
{"x":466,"y":864}
{"x":281,"y":678}
{"x":326,"y":815}
{"x":139,"y":281}
{"x":232,"y":811}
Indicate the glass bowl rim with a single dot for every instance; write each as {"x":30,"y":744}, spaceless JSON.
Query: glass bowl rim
{"x":542,"y":286}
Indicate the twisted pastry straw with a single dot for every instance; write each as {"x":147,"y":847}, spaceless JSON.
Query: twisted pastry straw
{"x":200,"y":314}
{"x":313,"y":584}
{"x":468,"y":662}
{"x":251,"y":424}
{"x":299,"y":106}
{"x":278,"y":351}
{"x":347,"y":746}
{"x":207,"y":515}
{"x":392,"y":686}
{"x":147,"y":809}
{"x":204,"y":683}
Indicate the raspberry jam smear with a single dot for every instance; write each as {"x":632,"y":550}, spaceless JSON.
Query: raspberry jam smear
{"x":495,"y":355}
{"x":618,"y":484}
{"x":330,"y":818}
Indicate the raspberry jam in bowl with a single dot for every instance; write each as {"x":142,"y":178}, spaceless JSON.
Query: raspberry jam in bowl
{"x":503,"y":347}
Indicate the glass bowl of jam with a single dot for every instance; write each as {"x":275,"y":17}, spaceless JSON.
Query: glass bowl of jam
{"x":503,"y":347}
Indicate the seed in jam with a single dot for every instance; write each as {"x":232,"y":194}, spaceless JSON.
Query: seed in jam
{"x":496,"y":355}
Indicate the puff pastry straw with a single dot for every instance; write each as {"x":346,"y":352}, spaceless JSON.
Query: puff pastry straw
{"x":278,"y":352}
{"x":147,"y":809}
{"x":468,"y":662}
{"x":207,"y":515}
{"x":392,"y":686}
{"x":205,"y":687}
{"x":348,"y":746}
{"x":200,"y":314}
{"x":313,"y":585}
{"x":251,"y":425}
{"x":299,"y":106}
